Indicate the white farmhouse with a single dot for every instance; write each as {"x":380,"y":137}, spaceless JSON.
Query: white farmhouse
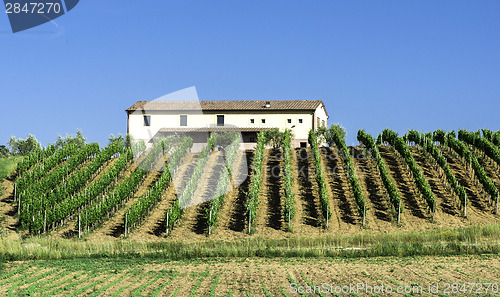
{"x":147,"y":119}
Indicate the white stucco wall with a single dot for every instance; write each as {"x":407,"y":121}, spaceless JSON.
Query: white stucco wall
{"x":196,"y":119}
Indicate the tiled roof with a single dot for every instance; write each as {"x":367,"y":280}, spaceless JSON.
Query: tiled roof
{"x":226,"y":105}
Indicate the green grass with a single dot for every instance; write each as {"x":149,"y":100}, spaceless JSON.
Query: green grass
{"x":470,"y":240}
{"x":8,"y":165}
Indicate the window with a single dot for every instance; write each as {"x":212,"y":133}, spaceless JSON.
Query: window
{"x":303,"y":144}
{"x":300,"y":121}
{"x":147,"y":120}
{"x":252,"y":121}
{"x":184,"y":120}
{"x":220,"y":120}
{"x":289,"y":121}
{"x":323,"y":123}
{"x":317,"y":122}
{"x":263,"y":121}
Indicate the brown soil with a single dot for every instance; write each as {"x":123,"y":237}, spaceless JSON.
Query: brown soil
{"x":379,"y":212}
{"x":307,"y":205}
{"x":276,"y":277}
{"x":345,"y":217}
{"x":153,"y":226}
{"x":193,"y":223}
{"x":270,"y":220}
{"x":415,"y":214}
{"x":478,"y":209}
{"x":447,"y":213}
{"x":232,"y":221}
{"x":114,"y":226}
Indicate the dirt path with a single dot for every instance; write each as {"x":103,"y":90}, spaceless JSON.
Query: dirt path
{"x":345,"y":217}
{"x":447,"y":212}
{"x":193,"y":222}
{"x":491,"y":170}
{"x":232,"y":217}
{"x":270,"y":220}
{"x":307,"y":204}
{"x":113,"y":227}
{"x":153,"y":226}
{"x":414,"y":214}
{"x":379,"y":214}
{"x":478,"y":209}
{"x":8,"y":211}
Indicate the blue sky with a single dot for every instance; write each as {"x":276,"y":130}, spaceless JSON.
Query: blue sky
{"x":376,"y":64}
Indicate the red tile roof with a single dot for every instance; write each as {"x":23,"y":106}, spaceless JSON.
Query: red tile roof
{"x":226,"y":105}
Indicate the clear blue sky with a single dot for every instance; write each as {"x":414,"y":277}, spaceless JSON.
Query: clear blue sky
{"x":376,"y":64}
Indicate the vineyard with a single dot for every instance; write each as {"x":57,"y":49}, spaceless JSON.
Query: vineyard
{"x":414,"y":181}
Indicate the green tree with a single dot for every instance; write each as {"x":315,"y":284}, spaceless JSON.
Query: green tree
{"x":4,"y":151}
{"x":327,"y":135}
{"x":79,"y":139}
{"x":275,"y":137}
{"x":112,"y":138}
{"x":24,"y":146}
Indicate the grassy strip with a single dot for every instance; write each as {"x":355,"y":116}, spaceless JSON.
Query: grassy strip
{"x":69,"y":286}
{"x":470,"y":240}
{"x":25,"y":280}
{"x":20,"y":278}
{"x":8,"y":166}
{"x":90,"y":286}
{"x":138,"y":291}
{"x":119,"y":291}
{"x":104,"y":288}
{"x":43,"y":289}
{"x":158,"y":290}
{"x":214,"y":285}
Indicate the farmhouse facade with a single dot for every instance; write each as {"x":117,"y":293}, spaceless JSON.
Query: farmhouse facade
{"x":148,"y":119}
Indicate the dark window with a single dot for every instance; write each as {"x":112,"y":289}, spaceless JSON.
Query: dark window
{"x":220,"y":120}
{"x":252,"y":121}
{"x":300,"y":121}
{"x":263,"y":121}
{"x":184,"y":120}
{"x":147,"y":120}
{"x":317,"y":122}
{"x":303,"y":144}
{"x":252,"y":139}
{"x":289,"y":121}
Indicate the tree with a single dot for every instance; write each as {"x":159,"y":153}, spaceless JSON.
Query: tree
{"x":327,"y":135}
{"x":4,"y":151}
{"x":79,"y":139}
{"x":24,"y":147}
{"x":275,"y":137}
{"x":112,"y":138}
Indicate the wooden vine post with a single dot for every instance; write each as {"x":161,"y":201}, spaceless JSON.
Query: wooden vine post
{"x":465,"y":205}
{"x":249,"y":221}
{"x":399,"y":211}
{"x":79,"y":225}
{"x":166,"y":225}
{"x":126,"y":217}
{"x":496,"y":208}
